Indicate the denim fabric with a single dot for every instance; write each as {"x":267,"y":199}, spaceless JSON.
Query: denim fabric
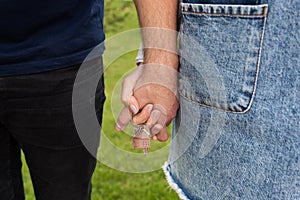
{"x":237,"y":133}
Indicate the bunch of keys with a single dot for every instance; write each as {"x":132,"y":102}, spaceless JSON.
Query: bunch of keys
{"x":141,"y":138}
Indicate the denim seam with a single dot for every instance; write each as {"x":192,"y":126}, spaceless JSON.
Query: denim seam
{"x":213,"y":6}
{"x":255,"y":77}
{"x":227,"y":15}
{"x":258,"y":60}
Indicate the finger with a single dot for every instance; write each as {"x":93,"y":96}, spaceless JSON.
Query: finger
{"x":123,"y":119}
{"x":154,"y":137}
{"x":160,"y":122}
{"x":163,"y":117}
{"x":134,"y":105}
{"x":143,"y":116}
{"x":154,"y":116}
{"x":162,"y":136}
{"x":128,"y":85}
{"x":127,"y":91}
{"x":156,"y":129}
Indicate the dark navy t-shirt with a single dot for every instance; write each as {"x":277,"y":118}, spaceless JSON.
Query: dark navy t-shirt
{"x":43,"y":35}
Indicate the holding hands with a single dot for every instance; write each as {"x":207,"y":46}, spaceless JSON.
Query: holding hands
{"x":149,"y":95}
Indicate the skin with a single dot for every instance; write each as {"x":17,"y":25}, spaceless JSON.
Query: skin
{"x":142,"y":102}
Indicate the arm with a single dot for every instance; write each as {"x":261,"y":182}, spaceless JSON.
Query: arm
{"x":156,"y":83}
{"x":158,"y":18}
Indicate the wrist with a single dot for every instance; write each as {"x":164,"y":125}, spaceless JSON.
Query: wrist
{"x":158,"y":75}
{"x":161,"y":57}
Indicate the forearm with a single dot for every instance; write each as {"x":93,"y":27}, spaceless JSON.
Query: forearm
{"x":158,"y":18}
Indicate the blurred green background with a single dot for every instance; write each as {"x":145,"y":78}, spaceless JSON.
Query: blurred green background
{"x":108,"y":183}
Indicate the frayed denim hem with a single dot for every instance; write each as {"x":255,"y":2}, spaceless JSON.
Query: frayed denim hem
{"x":172,"y":182}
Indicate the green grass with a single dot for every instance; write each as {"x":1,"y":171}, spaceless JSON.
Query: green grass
{"x":108,"y":183}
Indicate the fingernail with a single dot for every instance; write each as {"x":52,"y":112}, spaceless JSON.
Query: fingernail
{"x":157,"y":128}
{"x":156,"y":114}
{"x":117,"y":127}
{"x":150,"y":108}
{"x":133,"y":109}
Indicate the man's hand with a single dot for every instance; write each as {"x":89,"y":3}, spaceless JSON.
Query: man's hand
{"x":152,"y":88}
{"x":165,"y":106}
{"x":131,"y":105}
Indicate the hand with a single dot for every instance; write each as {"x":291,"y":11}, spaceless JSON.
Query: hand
{"x":155,"y":91}
{"x":131,"y":105}
{"x":156,"y":86}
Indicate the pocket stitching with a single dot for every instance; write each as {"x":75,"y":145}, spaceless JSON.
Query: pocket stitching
{"x":264,"y":15}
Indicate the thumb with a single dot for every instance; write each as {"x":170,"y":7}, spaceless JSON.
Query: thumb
{"x":128,"y":85}
{"x":133,"y":105}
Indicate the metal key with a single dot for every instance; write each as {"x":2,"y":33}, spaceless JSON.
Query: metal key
{"x":141,"y":138}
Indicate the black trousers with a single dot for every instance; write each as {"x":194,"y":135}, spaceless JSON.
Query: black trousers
{"x":36,"y":116}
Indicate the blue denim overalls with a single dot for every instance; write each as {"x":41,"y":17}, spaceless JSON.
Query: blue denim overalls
{"x":237,"y":133}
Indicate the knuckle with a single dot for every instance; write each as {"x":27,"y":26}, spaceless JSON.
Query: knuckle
{"x":173,"y":115}
{"x":125,"y":81}
{"x":124,"y":100}
{"x":122,"y":122}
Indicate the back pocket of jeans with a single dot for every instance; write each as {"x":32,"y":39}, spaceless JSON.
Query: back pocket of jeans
{"x":220,"y":47}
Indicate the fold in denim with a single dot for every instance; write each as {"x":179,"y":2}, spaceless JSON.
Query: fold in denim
{"x":236,"y":135}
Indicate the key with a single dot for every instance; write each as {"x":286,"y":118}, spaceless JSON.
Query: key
{"x":141,"y":138}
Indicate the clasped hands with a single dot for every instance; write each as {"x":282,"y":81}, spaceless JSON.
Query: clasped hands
{"x":149,"y":95}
